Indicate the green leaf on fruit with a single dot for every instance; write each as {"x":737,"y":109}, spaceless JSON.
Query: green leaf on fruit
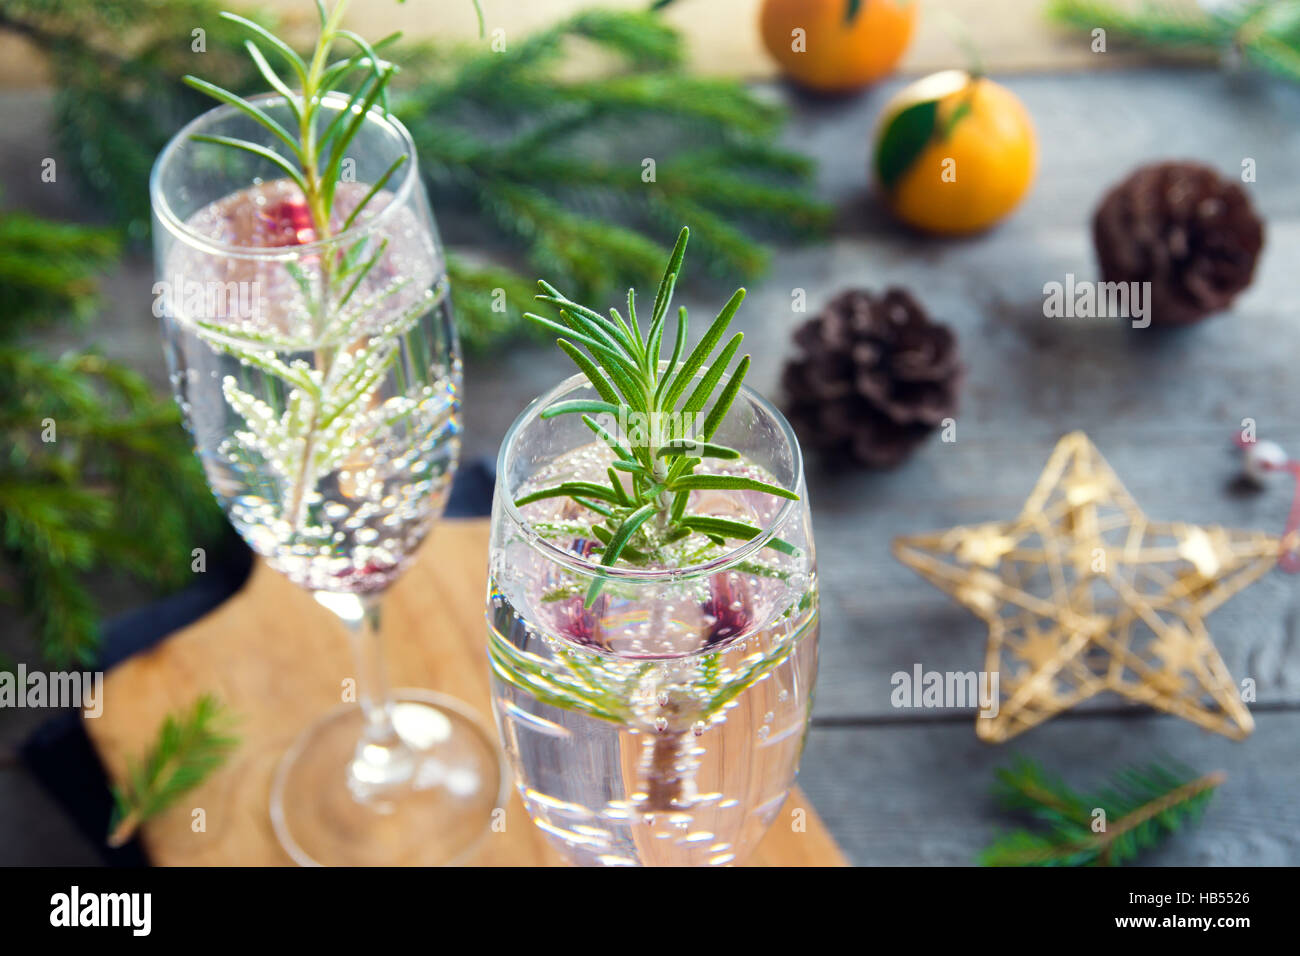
{"x":903,"y":140}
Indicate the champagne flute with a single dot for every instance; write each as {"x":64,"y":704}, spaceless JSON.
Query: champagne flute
{"x":320,"y":379}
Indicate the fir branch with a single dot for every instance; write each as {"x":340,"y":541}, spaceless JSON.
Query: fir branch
{"x":97,"y":473}
{"x":189,"y":747}
{"x":712,"y":145}
{"x":1142,"y":805}
{"x":47,"y":270}
{"x":1156,"y":23}
{"x":54,"y":594}
{"x":1265,"y":32}
{"x":494,"y":295}
{"x":117,"y":489}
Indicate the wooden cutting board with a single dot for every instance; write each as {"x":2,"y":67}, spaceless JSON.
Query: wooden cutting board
{"x":276,"y":659}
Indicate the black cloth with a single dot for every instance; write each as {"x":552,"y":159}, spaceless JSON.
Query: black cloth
{"x":61,"y":756}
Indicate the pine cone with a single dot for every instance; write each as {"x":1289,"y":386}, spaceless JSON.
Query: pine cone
{"x":1193,"y":235}
{"x":875,"y":377}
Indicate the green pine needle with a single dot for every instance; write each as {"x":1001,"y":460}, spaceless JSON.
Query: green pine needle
{"x":1265,"y":32}
{"x":1142,"y":806}
{"x":189,"y":747}
{"x":627,"y":369}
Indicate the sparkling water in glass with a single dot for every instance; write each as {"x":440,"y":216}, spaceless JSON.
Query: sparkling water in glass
{"x":662,"y":724}
{"x":320,"y":376}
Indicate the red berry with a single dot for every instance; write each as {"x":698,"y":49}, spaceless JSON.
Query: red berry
{"x":580,"y":623}
{"x":289,"y":223}
{"x":728,"y":607}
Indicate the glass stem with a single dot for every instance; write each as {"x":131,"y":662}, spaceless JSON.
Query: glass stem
{"x":381,"y":760}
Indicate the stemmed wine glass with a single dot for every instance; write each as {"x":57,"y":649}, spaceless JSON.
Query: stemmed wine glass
{"x":320,"y":380}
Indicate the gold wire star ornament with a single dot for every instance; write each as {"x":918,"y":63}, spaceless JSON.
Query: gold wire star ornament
{"x":1082,"y":594}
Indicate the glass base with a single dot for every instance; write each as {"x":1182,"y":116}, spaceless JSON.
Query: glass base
{"x":436,"y":817}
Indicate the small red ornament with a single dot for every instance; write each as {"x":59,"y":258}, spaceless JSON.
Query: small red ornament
{"x":1260,"y":460}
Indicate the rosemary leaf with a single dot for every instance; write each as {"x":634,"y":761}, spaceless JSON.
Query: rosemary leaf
{"x":568,"y":489}
{"x":709,"y":381}
{"x":330,"y":174}
{"x":619,"y":449}
{"x":257,"y":150}
{"x":250,"y":110}
{"x":679,"y":346}
{"x":616,"y":545}
{"x":579,"y":405}
{"x":723,"y":404}
{"x":273,"y":78}
{"x":379,"y":184}
{"x":697,"y":450}
{"x":276,"y":43}
{"x":729,"y":483}
{"x":588,"y":368}
{"x":702,"y":351}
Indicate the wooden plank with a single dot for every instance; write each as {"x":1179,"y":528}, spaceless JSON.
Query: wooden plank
{"x":722,"y":35}
{"x":277,"y":660}
{"x":919,"y":794}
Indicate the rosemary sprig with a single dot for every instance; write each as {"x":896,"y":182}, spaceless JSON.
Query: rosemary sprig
{"x":1141,"y":806}
{"x":645,"y":511}
{"x":315,"y":150}
{"x":189,"y":747}
{"x":329,"y":402}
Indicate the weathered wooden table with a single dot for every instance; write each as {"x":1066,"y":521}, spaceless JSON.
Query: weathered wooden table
{"x":910,"y":787}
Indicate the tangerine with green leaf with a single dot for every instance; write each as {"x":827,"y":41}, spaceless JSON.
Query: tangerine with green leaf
{"x":834,"y":46}
{"x":954,"y":153}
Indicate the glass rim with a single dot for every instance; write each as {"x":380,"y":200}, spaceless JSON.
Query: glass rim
{"x":576,"y":562}
{"x":167,"y":216}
